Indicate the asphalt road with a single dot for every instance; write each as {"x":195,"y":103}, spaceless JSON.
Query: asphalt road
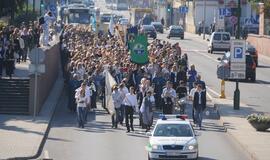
{"x":98,"y":141}
{"x":255,"y":95}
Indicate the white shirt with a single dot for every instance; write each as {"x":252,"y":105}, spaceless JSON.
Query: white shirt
{"x":123,"y":93}
{"x":81,"y":101}
{"x":131,"y":100}
{"x":87,"y":93}
{"x":192,"y":92}
{"x":171,"y":91}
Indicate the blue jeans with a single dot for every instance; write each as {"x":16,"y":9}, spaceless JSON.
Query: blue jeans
{"x":81,"y":114}
{"x":199,"y":115}
{"x":122,"y":113}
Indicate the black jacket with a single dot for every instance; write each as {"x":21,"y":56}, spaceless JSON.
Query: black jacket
{"x":196,"y":100}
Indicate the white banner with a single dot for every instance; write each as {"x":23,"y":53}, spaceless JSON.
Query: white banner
{"x":109,"y":83}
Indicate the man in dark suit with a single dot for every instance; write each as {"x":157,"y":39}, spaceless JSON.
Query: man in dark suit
{"x":199,"y":104}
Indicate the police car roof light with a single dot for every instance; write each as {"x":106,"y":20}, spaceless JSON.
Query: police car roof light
{"x":179,"y":116}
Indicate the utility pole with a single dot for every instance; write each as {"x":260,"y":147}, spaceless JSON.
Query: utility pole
{"x":204,"y":17}
{"x":236,"y":96}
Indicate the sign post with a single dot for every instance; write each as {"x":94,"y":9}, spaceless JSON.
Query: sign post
{"x":36,"y":57}
{"x":238,"y":67}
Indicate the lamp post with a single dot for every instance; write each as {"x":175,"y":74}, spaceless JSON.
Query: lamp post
{"x":204,"y":17}
{"x":236,"y":96}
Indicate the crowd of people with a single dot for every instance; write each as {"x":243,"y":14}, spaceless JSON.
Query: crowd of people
{"x":15,"y":44}
{"x":158,"y":85}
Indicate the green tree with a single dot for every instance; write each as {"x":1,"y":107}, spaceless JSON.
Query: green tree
{"x":254,"y":4}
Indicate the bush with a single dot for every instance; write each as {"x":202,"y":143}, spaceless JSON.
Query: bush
{"x":259,"y":122}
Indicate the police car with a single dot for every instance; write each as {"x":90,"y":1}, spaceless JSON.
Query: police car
{"x":172,"y":138}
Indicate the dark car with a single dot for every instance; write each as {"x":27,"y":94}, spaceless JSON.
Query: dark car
{"x":223,"y":70}
{"x":158,"y":26}
{"x":149,"y":30}
{"x":176,"y":31}
{"x":253,"y":52}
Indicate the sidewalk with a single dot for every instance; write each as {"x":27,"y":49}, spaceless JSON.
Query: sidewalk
{"x":21,"y":137}
{"x":257,"y":144}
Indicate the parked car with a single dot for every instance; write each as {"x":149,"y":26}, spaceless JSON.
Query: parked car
{"x":176,"y":31}
{"x":219,"y":41}
{"x":149,"y":30}
{"x":253,"y":52}
{"x":225,"y":63}
{"x":158,"y":26}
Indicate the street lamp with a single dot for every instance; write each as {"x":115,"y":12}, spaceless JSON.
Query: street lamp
{"x":204,"y":17}
{"x":236,"y":96}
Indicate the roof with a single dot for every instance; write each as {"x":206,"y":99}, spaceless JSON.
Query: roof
{"x":173,"y":121}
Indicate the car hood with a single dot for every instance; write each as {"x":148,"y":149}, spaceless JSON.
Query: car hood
{"x":170,"y":140}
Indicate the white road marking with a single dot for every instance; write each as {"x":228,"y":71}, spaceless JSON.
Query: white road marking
{"x":46,"y":155}
{"x":214,"y":92}
{"x":201,"y":52}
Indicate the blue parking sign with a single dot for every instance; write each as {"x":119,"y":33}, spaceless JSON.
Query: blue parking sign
{"x":238,"y":52}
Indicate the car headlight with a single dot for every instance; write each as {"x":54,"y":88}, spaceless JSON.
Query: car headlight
{"x":191,"y":145}
{"x":156,"y":147}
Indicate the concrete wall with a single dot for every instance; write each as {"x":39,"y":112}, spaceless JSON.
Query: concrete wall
{"x":47,"y":79}
{"x":262,"y":43}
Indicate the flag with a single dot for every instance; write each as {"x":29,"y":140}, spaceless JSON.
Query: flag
{"x":111,"y":26}
{"x":138,"y":50}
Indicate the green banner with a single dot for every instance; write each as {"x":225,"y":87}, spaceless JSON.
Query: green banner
{"x":138,"y":50}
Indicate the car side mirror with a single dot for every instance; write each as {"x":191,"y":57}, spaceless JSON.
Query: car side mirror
{"x":149,"y":134}
{"x":219,"y":59}
{"x":198,"y":133}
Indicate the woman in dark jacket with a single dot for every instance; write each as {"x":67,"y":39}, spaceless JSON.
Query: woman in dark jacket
{"x":10,"y":66}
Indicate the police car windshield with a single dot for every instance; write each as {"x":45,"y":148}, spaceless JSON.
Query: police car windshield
{"x":173,"y":130}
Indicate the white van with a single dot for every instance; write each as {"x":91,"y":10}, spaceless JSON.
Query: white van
{"x":219,"y":41}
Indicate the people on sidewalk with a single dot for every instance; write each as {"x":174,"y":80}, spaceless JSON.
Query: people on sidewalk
{"x":199,"y":104}
{"x":130,"y":103}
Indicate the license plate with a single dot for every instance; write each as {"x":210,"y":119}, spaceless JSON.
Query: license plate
{"x":172,"y":153}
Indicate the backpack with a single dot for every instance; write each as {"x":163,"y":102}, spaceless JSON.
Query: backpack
{"x":41,"y":20}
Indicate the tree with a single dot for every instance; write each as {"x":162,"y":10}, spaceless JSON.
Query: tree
{"x":254,"y":4}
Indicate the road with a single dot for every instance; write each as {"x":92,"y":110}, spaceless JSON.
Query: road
{"x":255,"y":95}
{"x":98,"y":141}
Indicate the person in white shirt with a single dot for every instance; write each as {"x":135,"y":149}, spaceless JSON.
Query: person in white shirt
{"x":168,"y":95}
{"x":191,"y":97}
{"x":48,"y":18}
{"x":130,"y":103}
{"x":116,"y":98}
{"x":82,"y":99}
{"x":123,"y":91}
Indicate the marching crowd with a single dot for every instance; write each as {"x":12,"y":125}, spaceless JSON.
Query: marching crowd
{"x":158,"y":85}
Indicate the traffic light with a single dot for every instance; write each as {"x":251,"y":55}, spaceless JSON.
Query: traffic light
{"x":169,"y":8}
{"x":41,"y":4}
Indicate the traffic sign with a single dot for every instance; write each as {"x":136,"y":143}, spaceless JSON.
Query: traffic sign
{"x":227,"y":12}
{"x":238,"y":59}
{"x":234,"y":19}
{"x":238,"y":51}
{"x":183,"y":9}
{"x":40,"y":68}
{"x":37,"y":55}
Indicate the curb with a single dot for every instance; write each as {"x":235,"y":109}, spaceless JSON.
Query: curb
{"x":251,"y":154}
{"x":46,"y":133}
